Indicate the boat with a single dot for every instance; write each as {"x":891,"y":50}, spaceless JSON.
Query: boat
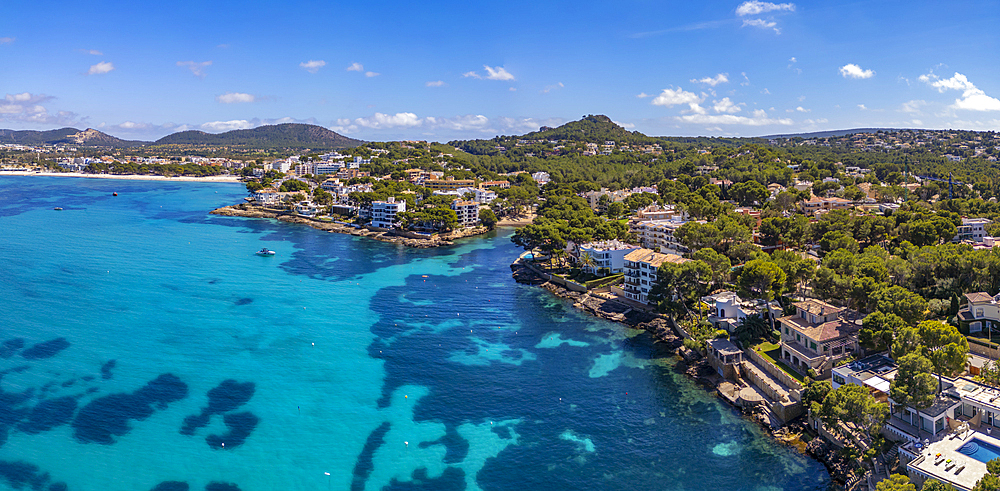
{"x":265,"y":252}
{"x":114,"y":194}
{"x":57,"y":208}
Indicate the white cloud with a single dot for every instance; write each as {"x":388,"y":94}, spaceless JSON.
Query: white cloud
{"x":627,"y":126}
{"x":643,"y":95}
{"x":6,"y":40}
{"x":91,"y":52}
{"x":759,"y":119}
{"x":356,"y":67}
{"x":436,"y":83}
{"x":236,"y":97}
{"x":754,"y":7}
{"x":761,"y":23}
{"x":973,"y":98}
{"x":27,"y":108}
{"x":802,"y":109}
{"x":497,"y":73}
{"x":550,"y":88}
{"x":472,"y":123}
{"x":220,"y":126}
{"x":372,"y":74}
{"x":851,"y":70}
{"x":102,"y":67}
{"x":792,"y":60}
{"x":380,"y":120}
{"x":713,"y":81}
{"x":912,"y":106}
{"x":197,"y":68}
{"x":862,"y":107}
{"x":312,"y":66}
{"x":726,"y":106}
{"x":746,"y":80}
{"x":673,"y":97}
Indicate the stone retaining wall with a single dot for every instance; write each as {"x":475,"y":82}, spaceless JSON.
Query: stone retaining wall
{"x":773,"y":370}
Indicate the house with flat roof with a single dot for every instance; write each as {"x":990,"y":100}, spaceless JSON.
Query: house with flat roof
{"x":641,"y":266}
{"x":972,"y":229}
{"x":384,"y":213}
{"x":817,"y":335}
{"x":467,"y":212}
{"x":609,"y":254}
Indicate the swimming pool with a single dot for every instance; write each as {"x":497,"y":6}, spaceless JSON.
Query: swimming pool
{"x":980,"y":450}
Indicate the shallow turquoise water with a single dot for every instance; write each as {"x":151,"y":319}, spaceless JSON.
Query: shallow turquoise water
{"x":383,"y":366}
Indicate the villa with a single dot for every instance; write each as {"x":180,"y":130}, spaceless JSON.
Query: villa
{"x":607,"y":254}
{"x":982,"y":311}
{"x":817,"y":335}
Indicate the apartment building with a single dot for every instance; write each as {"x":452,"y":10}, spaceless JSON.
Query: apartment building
{"x":384,"y":212}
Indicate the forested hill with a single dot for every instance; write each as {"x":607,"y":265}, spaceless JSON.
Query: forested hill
{"x":289,"y":135}
{"x":65,"y":136}
{"x":595,"y":129}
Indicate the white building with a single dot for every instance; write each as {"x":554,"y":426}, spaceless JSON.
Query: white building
{"x":384,"y":212}
{"x":467,"y":211}
{"x":266,"y":197}
{"x":307,"y":209}
{"x":640,"y":272}
{"x":726,"y":310}
{"x":542,"y":178}
{"x":973,"y":229}
{"x":282,"y":166}
{"x":659,"y":235}
{"x":608,"y":254}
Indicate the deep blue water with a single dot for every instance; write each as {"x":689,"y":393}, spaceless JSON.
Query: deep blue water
{"x":144,"y":346}
{"x":980,"y":450}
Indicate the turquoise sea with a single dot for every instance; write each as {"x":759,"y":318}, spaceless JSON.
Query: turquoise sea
{"x":144,"y":346}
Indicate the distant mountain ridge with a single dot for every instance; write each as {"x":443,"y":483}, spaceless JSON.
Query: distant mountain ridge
{"x":589,"y":128}
{"x":288,"y":135}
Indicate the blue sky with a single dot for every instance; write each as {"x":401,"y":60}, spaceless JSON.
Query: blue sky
{"x":382,"y":70}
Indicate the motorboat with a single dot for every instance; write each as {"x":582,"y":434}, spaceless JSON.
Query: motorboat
{"x":57,"y":208}
{"x":265,"y":252}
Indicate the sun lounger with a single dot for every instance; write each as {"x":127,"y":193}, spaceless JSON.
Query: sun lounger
{"x":960,"y":469}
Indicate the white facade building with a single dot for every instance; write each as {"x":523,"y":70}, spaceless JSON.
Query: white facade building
{"x":641,"y":266}
{"x":384,"y":212}
{"x":973,"y":229}
{"x":608,"y":254}
{"x":659,"y":235}
{"x":467,"y":211}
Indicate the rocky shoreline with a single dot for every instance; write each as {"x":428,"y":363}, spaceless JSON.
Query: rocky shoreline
{"x":692,"y":363}
{"x":437,"y":240}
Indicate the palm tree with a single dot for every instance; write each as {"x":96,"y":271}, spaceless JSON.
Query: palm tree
{"x":587,"y":260}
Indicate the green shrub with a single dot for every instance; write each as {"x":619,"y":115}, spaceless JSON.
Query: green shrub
{"x":722,"y":333}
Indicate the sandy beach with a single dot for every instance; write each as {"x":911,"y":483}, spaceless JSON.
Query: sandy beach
{"x":131,"y":177}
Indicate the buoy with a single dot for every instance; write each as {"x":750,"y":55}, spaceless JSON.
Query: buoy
{"x":406,"y":397}
{"x":314,"y":344}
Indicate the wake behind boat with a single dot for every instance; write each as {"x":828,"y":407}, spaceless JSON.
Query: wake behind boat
{"x":265,"y":252}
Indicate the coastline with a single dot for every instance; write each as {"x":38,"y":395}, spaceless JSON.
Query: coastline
{"x":692,"y":363}
{"x":437,"y":240}
{"x":126,"y":177}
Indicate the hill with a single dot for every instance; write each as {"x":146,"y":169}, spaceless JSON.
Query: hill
{"x":65,"y":136}
{"x":591,"y":129}
{"x":289,"y":135}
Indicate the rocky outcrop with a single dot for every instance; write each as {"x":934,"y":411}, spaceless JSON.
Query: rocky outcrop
{"x":247,"y":211}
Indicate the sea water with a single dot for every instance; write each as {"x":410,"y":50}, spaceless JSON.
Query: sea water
{"x":143,"y":345}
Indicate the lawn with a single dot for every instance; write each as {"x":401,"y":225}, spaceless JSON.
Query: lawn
{"x":772,"y":353}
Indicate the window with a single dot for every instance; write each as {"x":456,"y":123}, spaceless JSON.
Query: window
{"x":979,"y":313}
{"x":812,"y":345}
{"x":786,"y":329}
{"x":838,"y":379}
{"x":797,"y":337}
